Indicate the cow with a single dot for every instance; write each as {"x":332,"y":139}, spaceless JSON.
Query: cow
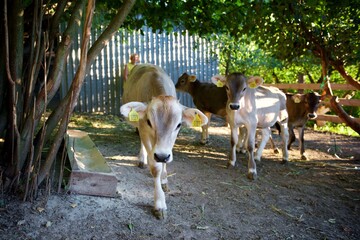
{"x":150,"y":104}
{"x":253,"y":106}
{"x":301,"y":108}
{"x":207,"y":98}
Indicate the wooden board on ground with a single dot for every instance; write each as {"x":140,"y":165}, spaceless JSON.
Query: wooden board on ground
{"x":90,"y":173}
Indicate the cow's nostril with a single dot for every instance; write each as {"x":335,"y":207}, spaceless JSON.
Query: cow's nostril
{"x":312,"y":115}
{"x":161,"y":157}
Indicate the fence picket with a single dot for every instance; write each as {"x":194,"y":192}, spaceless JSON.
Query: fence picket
{"x":176,"y":53}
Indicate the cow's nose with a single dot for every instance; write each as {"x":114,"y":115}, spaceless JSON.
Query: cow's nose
{"x":312,"y":115}
{"x":163,"y":158}
{"x":234,"y":106}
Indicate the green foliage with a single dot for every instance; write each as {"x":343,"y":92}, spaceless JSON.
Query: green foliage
{"x":337,"y":128}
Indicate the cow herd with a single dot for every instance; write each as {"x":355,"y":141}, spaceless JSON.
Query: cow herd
{"x":150,"y":104}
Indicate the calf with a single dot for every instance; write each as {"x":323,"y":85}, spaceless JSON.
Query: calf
{"x":207,"y":98}
{"x":301,"y":108}
{"x":152,"y":107}
{"x":253,"y":106}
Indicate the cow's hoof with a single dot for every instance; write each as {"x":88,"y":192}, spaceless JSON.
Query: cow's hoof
{"x":230,"y":164}
{"x":303,"y":157}
{"x":276,"y":151}
{"x":165,"y":187}
{"x":141,"y":165}
{"x":284,"y":161}
{"x":252,"y":176}
{"x":159,"y":213}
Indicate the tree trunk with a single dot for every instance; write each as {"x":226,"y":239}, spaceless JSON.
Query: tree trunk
{"x":335,"y":106}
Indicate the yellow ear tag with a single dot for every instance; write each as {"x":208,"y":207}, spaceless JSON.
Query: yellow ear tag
{"x":297,"y":100}
{"x":197,"y":121}
{"x":133,"y":116}
{"x":219,"y":84}
{"x":253,"y":85}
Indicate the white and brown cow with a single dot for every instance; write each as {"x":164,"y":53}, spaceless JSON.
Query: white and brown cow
{"x":253,"y":106}
{"x":151,"y":106}
{"x":207,"y":98}
{"x":301,"y":108}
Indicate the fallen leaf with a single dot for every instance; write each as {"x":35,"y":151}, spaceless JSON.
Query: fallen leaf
{"x":48,"y":224}
{"x":73,"y":205}
{"x":332,"y":220}
{"x":21,"y":222}
{"x":40,"y":209}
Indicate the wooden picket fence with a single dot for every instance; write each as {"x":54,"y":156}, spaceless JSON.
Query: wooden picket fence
{"x":334,"y":86}
{"x":175,"y":53}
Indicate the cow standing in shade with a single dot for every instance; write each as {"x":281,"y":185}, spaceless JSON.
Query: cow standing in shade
{"x":207,"y":98}
{"x":152,"y":107}
{"x":253,"y":106}
{"x":301,"y":108}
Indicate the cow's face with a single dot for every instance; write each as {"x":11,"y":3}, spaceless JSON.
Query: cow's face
{"x":312,"y":101}
{"x":184,"y":82}
{"x":160,"y":122}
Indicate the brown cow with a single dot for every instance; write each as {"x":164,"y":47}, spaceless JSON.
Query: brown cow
{"x":152,"y":107}
{"x":301,"y":108}
{"x":207,"y":97}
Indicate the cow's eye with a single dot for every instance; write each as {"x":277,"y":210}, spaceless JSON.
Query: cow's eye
{"x":149,"y":123}
{"x":178,"y":126}
{"x":227,"y":88}
{"x":244,"y":89}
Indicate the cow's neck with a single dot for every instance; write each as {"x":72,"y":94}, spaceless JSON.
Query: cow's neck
{"x":196,"y":84}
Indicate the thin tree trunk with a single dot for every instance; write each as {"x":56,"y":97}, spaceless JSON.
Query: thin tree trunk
{"x":74,"y":91}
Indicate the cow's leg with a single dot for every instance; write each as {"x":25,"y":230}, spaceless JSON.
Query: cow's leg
{"x":164,"y":181}
{"x":142,"y":156}
{"x":205,"y":130}
{"x":233,"y":143}
{"x":291,"y":137}
{"x":251,"y":131}
{"x":159,"y":210}
{"x":285,"y":138}
{"x":301,"y":142}
{"x":273,"y":146}
{"x":240,"y":146}
{"x":265,"y":135}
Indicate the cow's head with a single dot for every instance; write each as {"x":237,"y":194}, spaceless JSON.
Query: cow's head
{"x":184,"y":82}
{"x":236,"y":85}
{"x":159,"y":123}
{"x":311,"y":102}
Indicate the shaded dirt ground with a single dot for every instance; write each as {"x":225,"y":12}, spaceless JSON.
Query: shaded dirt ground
{"x":315,"y":199}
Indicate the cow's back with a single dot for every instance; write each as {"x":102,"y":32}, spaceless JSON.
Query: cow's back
{"x":147,"y":81}
{"x":271,"y":106}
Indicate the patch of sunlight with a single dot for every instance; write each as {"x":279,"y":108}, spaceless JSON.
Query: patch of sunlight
{"x":129,"y":161}
{"x":2,"y":140}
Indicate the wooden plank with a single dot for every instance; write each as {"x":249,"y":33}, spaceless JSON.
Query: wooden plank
{"x":349,"y":102}
{"x":90,"y":173}
{"x":333,"y":118}
{"x":311,"y":86}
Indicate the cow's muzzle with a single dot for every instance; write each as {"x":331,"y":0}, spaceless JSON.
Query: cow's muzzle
{"x":162,"y":158}
{"x":234,"y":106}
{"x":312,"y":115}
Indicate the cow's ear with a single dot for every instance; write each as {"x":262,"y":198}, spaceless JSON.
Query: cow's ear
{"x":194,"y":117}
{"x":297,"y":98}
{"x":254,"y":82}
{"x":133,"y":112}
{"x":218,"y":80}
{"x":192,"y":78}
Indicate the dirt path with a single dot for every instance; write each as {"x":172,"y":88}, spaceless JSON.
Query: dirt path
{"x":315,"y":199}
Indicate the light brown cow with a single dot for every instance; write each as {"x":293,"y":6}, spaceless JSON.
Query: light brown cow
{"x":152,"y":107}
